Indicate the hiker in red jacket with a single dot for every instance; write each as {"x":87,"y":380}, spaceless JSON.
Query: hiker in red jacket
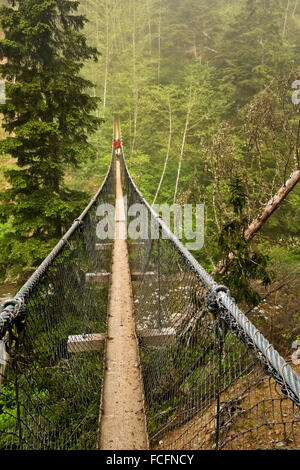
{"x":117,"y":146}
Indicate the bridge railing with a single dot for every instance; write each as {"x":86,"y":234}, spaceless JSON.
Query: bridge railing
{"x":50,"y":382}
{"x":211,"y":379}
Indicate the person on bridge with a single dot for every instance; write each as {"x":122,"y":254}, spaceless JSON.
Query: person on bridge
{"x":117,"y":146}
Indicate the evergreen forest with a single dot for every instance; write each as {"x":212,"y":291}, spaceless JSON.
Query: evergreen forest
{"x":207,"y":95}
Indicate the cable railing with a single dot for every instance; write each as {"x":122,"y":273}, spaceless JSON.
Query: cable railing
{"x":211,"y":380}
{"x":50,"y":384}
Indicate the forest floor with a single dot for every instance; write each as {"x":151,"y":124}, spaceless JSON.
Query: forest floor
{"x":122,"y":421}
{"x":264,"y":419}
{"x":7,"y":291}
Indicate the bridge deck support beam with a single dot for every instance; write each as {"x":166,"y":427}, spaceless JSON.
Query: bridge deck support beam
{"x":103,"y":246}
{"x":122,"y":415}
{"x":108,"y":246}
{"x":86,"y":343}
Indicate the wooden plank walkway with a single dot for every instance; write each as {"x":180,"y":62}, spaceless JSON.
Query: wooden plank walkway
{"x":122,"y":416}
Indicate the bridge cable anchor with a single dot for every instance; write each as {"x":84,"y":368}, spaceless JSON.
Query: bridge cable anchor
{"x":12,"y":311}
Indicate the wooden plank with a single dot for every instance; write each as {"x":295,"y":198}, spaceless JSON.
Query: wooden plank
{"x":95,"y":341}
{"x":135,"y":244}
{"x":103,"y":246}
{"x":86,"y":343}
{"x":4,"y":358}
{"x":95,"y":277}
{"x":157,"y":337}
{"x":105,"y":276}
{"x":122,"y":423}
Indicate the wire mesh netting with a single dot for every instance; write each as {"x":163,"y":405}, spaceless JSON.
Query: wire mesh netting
{"x":50,"y":381}
{"x":211,"y":380}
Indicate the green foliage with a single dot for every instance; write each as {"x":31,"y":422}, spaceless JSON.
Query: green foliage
{"x":235,"y":60}
{"x":48,"y":117}
{"x":241,"y":264}
{"x":233,"y":63}
{"x":7,"y":418}
{"x":228,"y":66}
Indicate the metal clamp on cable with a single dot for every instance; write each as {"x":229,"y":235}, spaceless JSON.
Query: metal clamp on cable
{"x":5,"y":318}
{"x":80,"y":222}
{"x":12,"y":311}
{"x":213,"y":307}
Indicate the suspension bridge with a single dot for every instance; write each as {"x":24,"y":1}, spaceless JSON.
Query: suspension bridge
{"x":130,"y":344}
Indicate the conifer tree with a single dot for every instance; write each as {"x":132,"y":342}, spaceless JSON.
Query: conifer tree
{"x":253,"y":50}
{"x":48,"y":117}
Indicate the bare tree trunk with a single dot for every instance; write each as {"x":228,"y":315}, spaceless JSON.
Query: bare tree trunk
{"x":218,"y":224}
{"x":168,"y":152}
{"x":285,"y":18}
{"x":187,"y":121}
{"x":149,"y":28}
{"x":3,"y":365}
{"x":297,"y":145}
{"x":119,"y":17}
{"x":159,"y":43}
{"x":295,"y":8}
{"x":272,"y":205}
{"x":135,"y":90}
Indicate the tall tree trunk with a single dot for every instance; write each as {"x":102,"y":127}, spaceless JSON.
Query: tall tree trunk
{"x":272,"y":205}
{"x":285,"y":18}
{"x":106,"y":59}
{"x":149,"y":28}
{"x":187,"y":121}
{"x":159,"y":43}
